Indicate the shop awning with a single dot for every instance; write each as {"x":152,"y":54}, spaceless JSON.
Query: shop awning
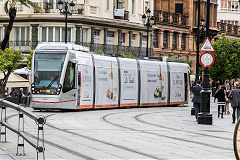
{"x":15,"y":80}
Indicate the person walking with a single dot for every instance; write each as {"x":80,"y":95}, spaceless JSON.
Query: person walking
{"x":221,"y":96}
{"x":235,"y":102}
{"x":196,"y":98}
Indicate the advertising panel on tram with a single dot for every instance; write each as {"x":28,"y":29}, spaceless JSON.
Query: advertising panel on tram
{"x":85,"y":81}
{"x":106,"y":76}
{"x":153,"y":84}
{"x":129,"y":82}
{"x":178,"y":89}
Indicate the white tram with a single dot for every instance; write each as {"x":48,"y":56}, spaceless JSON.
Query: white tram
{"x":68,"y":76}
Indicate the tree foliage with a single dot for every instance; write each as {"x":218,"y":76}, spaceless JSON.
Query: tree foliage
{"x":8,"y":62}
{"x":227,"y":59}
{"x":10,"y":9}
{"x":29,"y":58}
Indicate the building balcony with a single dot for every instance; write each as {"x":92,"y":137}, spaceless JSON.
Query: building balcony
{"x":26,"y":46}
{"x":169,"y":18}
{"x":52,"y":9}
{"x":229,"y":29}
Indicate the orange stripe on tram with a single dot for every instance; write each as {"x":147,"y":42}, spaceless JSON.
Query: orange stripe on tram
{"x":53,"y":102}
{"x":128,"y":104}
{"x":106,"y":106}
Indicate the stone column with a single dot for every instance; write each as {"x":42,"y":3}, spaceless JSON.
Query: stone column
{"x":78,"y":34}
{"x":191,"y":42}
{"x":140,"y":44}
{"x":119,"y":41}
{"x":187,"y":43}
{"x":160,"y":39}
{"x":170,"y":38}
{"x":34,"y":35}
{"x":179,"y":41}
{"x":105,"y":40}
{"x":130,"y":38}
{"x":92,"y":39}
{"x":151,"y":45}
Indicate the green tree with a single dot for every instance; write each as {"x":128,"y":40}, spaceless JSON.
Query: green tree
{"x":10,"y":9}
{"x":29,"y":58}
{"x":227,"y":59}
{"x":8,"y":62}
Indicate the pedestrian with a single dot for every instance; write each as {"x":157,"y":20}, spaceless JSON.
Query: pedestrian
{"x":20,"y":95}
{"x":221,"y":97}
{"x":13,"y":93}
{"x":196,"y":98}
{"x":235,"y":102}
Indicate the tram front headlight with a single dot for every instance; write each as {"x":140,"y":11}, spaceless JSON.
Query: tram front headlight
{"x":33,"y":88}
{"x":59,"y":89}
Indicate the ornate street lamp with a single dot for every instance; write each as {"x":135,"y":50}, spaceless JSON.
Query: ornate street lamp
{"x":65,"y":11}
{"x":148,"y":21}
{"x":205,"y":117}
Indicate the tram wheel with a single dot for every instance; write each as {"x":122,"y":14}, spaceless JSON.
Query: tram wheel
{"x":236,"y":140}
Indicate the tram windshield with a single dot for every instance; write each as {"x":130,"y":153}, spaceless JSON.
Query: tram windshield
{"x":47,"y":69}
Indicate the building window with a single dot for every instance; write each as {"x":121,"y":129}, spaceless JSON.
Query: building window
{"x":19,"y":8}
{"x":107,"y":4}
{"x":48,"y":4}
{"x":1,"y":33}
{"x":133,"y":6}
{"x":21,"y":35}
{"x":230,"y":5}
{"x":110,"y":37}
{"x":56,"y":34}
{"x":85,"y":35}
{"x":183,"y":42}
{"x":123,"y":41}
{"x":144,"y":41}
{"x":21,"y":38}
{"x":96,"y":36}
{"x":179,"y":8}
{"x":174,"y":41}
{"x":165,"y":39}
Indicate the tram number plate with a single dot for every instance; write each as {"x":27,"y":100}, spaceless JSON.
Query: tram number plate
{"x":48,"y":90}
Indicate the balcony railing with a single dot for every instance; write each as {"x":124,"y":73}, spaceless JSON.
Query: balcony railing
{"x":174,"y":18}
{"x":113,"y":50}
{"x":228,"y":28}
{"x":170,"y":18}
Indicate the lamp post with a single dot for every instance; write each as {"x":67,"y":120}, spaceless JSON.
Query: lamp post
{"x":205,"y":117}
{"x":198,"y":42}
{"x":65,"y":11}
{"x":148,"y":21}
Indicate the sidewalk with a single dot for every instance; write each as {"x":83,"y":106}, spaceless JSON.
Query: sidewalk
{"x":4,"y":155}
{"x":185,"y":137}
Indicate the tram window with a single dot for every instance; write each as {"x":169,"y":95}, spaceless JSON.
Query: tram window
{"x":69,"y":80}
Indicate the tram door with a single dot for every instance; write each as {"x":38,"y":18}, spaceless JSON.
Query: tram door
{"x":185,"y":87}
{"x":69,"y":87}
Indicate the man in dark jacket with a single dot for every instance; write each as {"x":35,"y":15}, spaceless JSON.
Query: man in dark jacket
{"x":235,"y":102}
{"x":197,"y":97}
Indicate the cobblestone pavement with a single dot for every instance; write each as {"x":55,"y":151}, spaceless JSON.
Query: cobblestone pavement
{"x":135,"y":133}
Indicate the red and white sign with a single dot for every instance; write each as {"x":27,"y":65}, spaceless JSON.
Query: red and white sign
{"x":206,"y":59}
{"x":207,"y":46}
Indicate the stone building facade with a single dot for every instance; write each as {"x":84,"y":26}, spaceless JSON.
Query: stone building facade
{"x":109,"y":26}
{"x":177,"y":27}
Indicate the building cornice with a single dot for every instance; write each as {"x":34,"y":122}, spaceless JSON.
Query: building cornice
{"x":91,"y":21}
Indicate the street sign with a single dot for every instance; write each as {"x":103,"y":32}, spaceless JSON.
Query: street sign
{"x":206,"y":59}
{"x":207,"y":46}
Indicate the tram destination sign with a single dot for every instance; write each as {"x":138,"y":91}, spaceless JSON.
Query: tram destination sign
{"x":206,"y":59}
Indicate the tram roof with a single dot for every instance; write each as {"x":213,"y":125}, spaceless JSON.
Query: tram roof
{"x":61,"y":46}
